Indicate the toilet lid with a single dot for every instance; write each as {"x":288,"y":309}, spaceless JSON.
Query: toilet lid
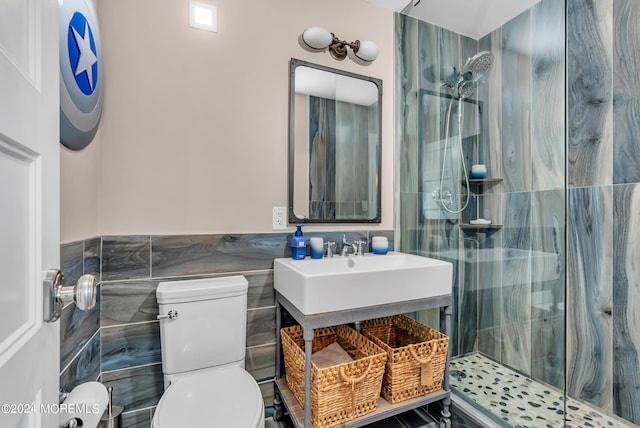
{"x":227,"y":397}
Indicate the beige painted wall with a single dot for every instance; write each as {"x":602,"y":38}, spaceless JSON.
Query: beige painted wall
{"x":80,"y":192}
{"x":193,"y":136}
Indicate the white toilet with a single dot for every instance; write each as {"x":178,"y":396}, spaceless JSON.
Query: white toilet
{"x":202,"y":333}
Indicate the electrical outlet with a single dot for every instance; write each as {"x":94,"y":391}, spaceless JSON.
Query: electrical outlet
{"x":279,"y":218}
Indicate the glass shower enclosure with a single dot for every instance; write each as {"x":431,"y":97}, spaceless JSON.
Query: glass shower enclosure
{"x":542,"y":333}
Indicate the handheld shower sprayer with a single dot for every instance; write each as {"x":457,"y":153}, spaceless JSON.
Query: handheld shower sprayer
{"x":467,"y":83}
{"x":471,"y":72}
{"x":478,"y":64}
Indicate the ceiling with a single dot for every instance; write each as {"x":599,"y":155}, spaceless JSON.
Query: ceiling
{"x":472,"y":18}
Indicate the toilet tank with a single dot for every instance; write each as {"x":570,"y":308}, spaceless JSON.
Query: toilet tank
{"x":210,"y":327}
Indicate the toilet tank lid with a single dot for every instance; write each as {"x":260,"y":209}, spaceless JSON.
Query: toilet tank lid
{"x":201,"y":289}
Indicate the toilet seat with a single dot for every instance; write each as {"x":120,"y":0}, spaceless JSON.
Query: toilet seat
{"x":224,"y":397}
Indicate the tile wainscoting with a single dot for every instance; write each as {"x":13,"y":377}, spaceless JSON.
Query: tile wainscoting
{"x":118,"y":342}
{"x":79,"y":331}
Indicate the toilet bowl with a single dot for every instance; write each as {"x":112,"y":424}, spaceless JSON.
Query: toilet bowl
{"x":226,"y":397}
{"x":202,"y":337}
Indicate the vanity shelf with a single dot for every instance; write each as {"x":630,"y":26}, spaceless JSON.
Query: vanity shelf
{"x":385,"y":409}
{"x":284,"y":396}
{"x":478,"y":185}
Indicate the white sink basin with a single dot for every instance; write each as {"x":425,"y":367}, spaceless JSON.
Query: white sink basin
{"x":317,"y":286}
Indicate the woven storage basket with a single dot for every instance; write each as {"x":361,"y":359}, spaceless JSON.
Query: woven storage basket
{"x":416,"y":356}
{"x":338,"y":393}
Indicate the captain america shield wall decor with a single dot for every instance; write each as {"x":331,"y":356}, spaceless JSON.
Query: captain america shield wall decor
{"x":80,"y":73}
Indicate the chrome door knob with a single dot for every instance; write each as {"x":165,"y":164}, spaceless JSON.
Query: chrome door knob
{"x":56,"y":295}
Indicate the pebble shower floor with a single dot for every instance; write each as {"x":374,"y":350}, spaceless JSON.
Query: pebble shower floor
{"x":519,"y":400}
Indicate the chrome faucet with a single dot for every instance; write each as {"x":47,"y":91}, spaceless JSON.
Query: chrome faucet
{"x":329,"y":245}
{"x":358,"y":245}
{"x":346,"y":246}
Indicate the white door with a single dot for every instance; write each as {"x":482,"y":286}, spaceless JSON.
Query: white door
{"x":29,"y":210}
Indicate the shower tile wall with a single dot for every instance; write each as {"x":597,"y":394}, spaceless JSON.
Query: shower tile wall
{"x":603,"y":336}
{"x":590,"y":44}
{"x":589,"y":327}
{"x":125,"y":349}
{"x":518,"y":306}
{"x":626,"y":301}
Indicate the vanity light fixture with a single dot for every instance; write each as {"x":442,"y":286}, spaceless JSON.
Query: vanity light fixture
{"x":319,"y":39}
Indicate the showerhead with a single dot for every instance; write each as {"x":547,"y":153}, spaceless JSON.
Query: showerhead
{"x":477,"y":65}
{"x":472,"y":72}
{"x":466,"y":88}
{"x":469,"y":74}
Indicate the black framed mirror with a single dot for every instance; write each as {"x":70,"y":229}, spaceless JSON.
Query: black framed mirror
{"x":335,"y":123}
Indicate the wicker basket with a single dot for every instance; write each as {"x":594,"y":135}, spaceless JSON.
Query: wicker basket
{"x":338,"y":393}
{"x":416,"y":356}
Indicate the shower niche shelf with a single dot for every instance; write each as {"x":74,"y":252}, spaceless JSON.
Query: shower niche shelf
{"x":478,"y":185}
{"x":474,"y":229}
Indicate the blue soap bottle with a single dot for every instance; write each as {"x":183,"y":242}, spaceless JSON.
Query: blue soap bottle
{"x":298,"y":244}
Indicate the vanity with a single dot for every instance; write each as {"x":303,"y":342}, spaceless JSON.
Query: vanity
{"x":334,"y":177}
{"x":396,"y":283}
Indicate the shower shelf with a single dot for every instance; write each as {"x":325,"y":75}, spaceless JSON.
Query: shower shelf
{"x":477,"y":185}
{"x":474,"y":229}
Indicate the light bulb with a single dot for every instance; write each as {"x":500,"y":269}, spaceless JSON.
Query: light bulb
{"x":317,"y":37}
{"x":367,"y":50}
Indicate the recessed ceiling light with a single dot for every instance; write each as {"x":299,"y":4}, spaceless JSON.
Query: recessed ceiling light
{"x":203,"y":16}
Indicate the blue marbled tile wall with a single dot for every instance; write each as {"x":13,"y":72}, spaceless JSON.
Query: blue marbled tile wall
{"x":626,"y":300}
{"x":626,"y":82}
{"x":79,"y":331}
{"x":589,"y":90}
{"x":589,"y":323}
{"x":603,"y":338}
{"x":119,"y":342}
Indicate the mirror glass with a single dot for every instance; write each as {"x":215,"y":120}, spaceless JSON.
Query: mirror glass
{"x":334,"y":145}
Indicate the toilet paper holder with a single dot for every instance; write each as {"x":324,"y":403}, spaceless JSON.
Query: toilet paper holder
{"x":84,"y":406}
{"x":72,"y":423}
{"x":112,"y":417}
{"x":56,"y":294}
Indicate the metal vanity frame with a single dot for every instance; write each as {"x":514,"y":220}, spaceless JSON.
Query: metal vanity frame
{"x":284,"y":396}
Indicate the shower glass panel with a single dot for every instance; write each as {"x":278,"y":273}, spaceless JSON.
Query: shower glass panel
{"x":507,"y":346}
{"x":546,"y":332}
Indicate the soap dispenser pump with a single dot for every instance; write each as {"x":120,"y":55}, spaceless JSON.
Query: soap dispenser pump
{"x":298,"y":244}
